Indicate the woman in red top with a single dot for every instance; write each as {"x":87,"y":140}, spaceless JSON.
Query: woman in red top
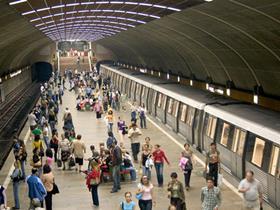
{"x":93,"y":180}
{"x":159,"y":158}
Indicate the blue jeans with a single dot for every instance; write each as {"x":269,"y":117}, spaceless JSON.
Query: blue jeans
{"x":159,"y":172}
{"x":22,"y":164}
{"x":132,"y":173}
{"x":94,"y":194}
{"x":16,"y":197}
{"x":116,"y":177}
{"x":145,"y":204}
{"x":47,"y":141}
{"x":146,"y":172}
{"x":143,"y":122}
{"x":110,"y":127}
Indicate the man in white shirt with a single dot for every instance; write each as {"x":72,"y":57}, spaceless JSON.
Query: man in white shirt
{"x":252,"y":192}
{"x":79,"y":149}
{"x":133,"y":134}
{"x":32,"y":120}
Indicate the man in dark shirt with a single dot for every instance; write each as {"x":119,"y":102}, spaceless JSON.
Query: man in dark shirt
{"x":116,"y":154}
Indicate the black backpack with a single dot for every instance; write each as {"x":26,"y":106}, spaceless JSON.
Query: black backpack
{"x":127,"y":163}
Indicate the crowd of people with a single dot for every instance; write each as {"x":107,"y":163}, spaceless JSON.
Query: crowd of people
{"x":112,"y":162}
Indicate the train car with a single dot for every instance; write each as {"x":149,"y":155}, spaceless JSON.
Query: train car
{"x":248,"y":138}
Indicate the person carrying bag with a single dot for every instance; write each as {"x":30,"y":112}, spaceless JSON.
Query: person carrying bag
{"x":93,"y":180}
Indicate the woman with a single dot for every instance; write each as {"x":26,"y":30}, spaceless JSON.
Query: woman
{"x":188,"y":166}
{"x":48,"y":181}
{"x":146,"y":169}
{"x":121,"y":128}
{"x":64,"y":147}
{"x":36,"y":161}
{"x":128,"y":204}
{"x":16,"y":177}
{"x":3,"y":198}
{"x":93,"y":180}
{"x":142,"y":116}
{"x":37,"y":143}
{"x":145,"y":188}
{"x":68,"y":121}
{"x":22,"y":157}
{"x":176,"y":192}
{"x":49,"y":157}
{"x":98,"y":109}
{"x":159,"y":158}
{"x":54,"y":144}
{"x":110,"y":120}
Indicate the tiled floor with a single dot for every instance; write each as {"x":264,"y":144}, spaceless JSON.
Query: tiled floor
{"x":73,"y":191}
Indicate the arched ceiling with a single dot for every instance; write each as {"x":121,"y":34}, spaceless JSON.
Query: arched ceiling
{"x":92,"y":20}
{"x":226,"y":40}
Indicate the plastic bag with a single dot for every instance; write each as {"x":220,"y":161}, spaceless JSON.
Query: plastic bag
{"x":220,"y":180}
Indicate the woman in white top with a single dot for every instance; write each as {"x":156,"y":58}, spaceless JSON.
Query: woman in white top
{"x":64,"y":147}
{"x":145,"y":188}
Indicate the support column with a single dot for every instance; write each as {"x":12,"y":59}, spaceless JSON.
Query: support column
{"x":58,"y":58}
{"x":90,"y":56}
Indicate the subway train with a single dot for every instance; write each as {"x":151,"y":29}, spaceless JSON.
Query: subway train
{"x":247,"y":136}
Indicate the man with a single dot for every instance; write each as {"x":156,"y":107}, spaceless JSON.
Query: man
{"x":116,"y":154}
{"x":210,"y":196}
{"x":95,"y":156}
{"x":79,"y":149}
{"x":252,"y":192}
{"x":32,"y":120}
{"x":110,"y":140}
{"x":36,"y":189}
{"x":133,"y":135}
{"x":213,"y":162}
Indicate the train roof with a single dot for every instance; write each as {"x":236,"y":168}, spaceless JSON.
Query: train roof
{"x":264,"y":123}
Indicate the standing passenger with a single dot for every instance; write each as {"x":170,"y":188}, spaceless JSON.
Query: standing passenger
{"x":187,"y":170}
{"x":213,"y":161}
{"x":252,"y":192}
{"x":176,"y":192}
{"x":133,"y":135}
{"x":116,"y":163}
{"x":145,"y":188}
{"x":16,"y":177}
{"x":48,"y":181}
{"x":210,"y":196}
{"x":159,"y":158}
{"x":79,"y":149}
{"x":142,"y":116}
{"x":93,"y":180}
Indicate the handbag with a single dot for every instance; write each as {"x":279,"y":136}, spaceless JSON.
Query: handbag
{"x":139,"y":196}
{"x":55,"y":189}
{"x":59,"y":163}
{"x":71,"y":162}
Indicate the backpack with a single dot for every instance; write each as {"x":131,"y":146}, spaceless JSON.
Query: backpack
{"x":127,"y":163}
{"x":110,"y":141}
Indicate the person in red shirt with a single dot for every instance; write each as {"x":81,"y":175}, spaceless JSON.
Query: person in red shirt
{"x":159,"y":158}
{"x":93,"y":180}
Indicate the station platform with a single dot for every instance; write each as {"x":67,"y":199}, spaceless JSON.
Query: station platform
{"x":74,"y":194}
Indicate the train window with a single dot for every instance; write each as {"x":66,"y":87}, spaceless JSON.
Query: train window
{"x":159,"y":100}
{"x":274,"y":160}
{"x":239,"y":138}
{"x":138,"y":89}
{"x":225,"y":134}
{"x":190,"y":115}
{"x":170,"y":105}
{"x":175,"y":108}
{"x":258,"y":152}
{"x":154,"y":97}
{"x":164,"y":99}
{"x":183,"y":111}
{"x":211,"y":126}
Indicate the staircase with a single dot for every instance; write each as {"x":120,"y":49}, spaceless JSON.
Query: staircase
{"x":72,"y":63}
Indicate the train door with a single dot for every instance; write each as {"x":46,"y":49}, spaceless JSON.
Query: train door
{"x":189,"y":124}
{"x":151,"y":101}
{"x":133,"y":90}
{"x":171,"y":113}
{"x":161,"y":106}
{"x":210,"y":124}
{"x":197,"y":129}
{"x":145,"y":96}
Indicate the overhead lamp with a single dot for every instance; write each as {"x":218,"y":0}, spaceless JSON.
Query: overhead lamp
{"x":29,"y":12}
{"x":178,"y":79}
{"x":167,"y":76}
{"x":160,"y":6}
{"x":17,"y":2}
{"x":58,"y":6}
{"x":256,"y":99}
{"x":72,"y":4}
{"x":228,"y":92}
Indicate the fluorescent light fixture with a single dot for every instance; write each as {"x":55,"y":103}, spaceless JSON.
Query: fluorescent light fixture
{"x":17,"y":2}
{"x":146,"y":4}
{"x":256,"y":99}
{"x":39,"y":24}
{"x":132,"y":3}
{"x":154,"y":16}
{"x":43,"y":9}
{"x":159,"y":6}
{"x":15,"y":73}
{"x":58,"y":6}
{"x":116,"y":2}
{"x":159,"y":73}
{"x":107,"y":10}
{"x":102,"y":2}
{"x":211,"y":89}
{"x":133,"y":13}
{"x":178,"y":79}
{"x":45,"y":17}
{"x":191,"y":82}
{"x":152,"y":72}
{"x":82,"y":11}
{"x":36,"y":19}
{"x":72,"y":12}
{"x":143,"y":14}
{"x":72,"y":4}
{"x":87,"y":3}
{"x":219,"y":91}
{"x":58,"y":14}
{"x":228,"y":92}
{"x":167,"y":76}
{"x":207,"y":86}
{"x":208,"y":0}
{"x":174,"y":9}
{"x":29,"y":12}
